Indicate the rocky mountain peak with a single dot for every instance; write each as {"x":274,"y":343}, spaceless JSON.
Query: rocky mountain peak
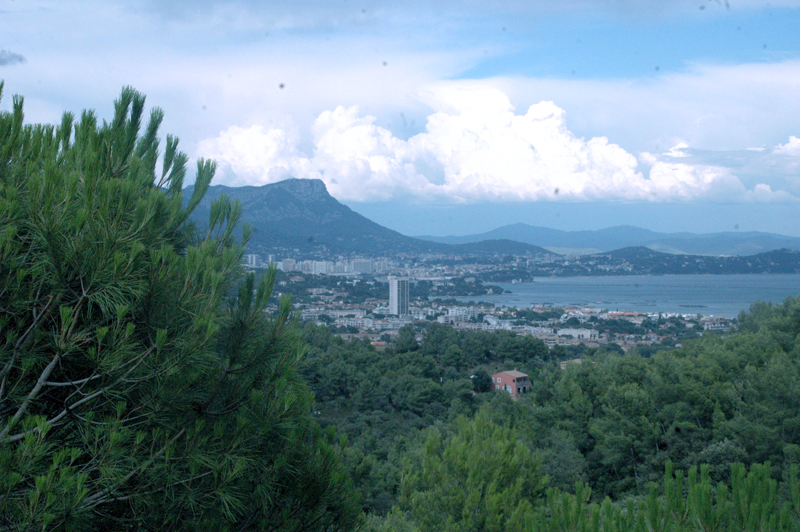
{"x":305,"y":190}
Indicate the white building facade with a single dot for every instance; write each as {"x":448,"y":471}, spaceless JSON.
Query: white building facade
{"x":398,"y":296}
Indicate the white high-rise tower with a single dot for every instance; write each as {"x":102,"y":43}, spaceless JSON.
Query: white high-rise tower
{"x":398,"y":296}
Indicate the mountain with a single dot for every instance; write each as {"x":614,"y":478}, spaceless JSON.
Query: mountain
{"x":603,"y":240}
{"x":300,"y":214}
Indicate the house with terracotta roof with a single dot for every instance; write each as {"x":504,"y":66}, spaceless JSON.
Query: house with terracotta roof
{"x":514,"y":382}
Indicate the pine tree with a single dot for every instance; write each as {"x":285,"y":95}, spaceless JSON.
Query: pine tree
{"x":480,"y":477}
{"x":137,"y":390}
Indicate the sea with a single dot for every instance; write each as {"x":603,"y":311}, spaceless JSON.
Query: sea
{"x":710,"y":295}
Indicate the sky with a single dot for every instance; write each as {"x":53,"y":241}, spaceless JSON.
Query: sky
{"x":452,"y":117}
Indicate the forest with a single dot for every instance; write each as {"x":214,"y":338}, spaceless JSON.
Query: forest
{"x":144,"y":385}
{"x":613,"y":424}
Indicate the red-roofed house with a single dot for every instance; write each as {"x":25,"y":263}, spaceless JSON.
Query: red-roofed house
{"x":514,"y":382}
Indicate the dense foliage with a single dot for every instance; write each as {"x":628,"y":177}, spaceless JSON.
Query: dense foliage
{"x":480,"y":476}
{"x":615,"y":422}
{"x":680,"y":503}
{"x":136,"y":392}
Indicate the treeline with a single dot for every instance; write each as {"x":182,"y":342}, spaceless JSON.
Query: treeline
{"x":615,"y":422}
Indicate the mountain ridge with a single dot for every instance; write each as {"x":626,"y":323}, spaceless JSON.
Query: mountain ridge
{"x":299,"y":215}
{"x":617,"y":237}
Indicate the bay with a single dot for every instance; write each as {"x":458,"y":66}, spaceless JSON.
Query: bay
{"x":711,"y":295}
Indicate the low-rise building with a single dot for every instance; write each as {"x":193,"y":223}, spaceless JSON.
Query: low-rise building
{"x":580,"y":334}
{"x":514,"y":382}
{"x":549,"y":339}
{"x":463,"y":313}
{"x":361,"y":323}
{"x":716,"y":324}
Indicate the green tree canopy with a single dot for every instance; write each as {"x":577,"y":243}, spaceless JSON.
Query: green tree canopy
{"x":136,"y":390}
{"x":480,"y":477}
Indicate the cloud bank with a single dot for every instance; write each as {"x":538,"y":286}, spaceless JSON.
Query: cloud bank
{"x":475,"y":148}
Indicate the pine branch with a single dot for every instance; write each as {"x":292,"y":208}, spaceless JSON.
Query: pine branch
{"x":34,"y":393}
{"x":37,"y":317}
{"x":103,"y":495}
{"x":67,"y":408}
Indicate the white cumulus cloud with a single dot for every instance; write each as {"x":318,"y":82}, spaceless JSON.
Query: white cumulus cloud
{"x":255,"y":156}
{"x":359,"y":160}
{"x":486,"y":151}
{"x":475,"y":147}
{"x":790,"y":148}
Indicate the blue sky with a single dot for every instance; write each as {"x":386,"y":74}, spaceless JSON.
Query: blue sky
{"x":453,"y":117}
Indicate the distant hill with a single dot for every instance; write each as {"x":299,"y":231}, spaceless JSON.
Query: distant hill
{"x":300,"y":214}
{"x":728,"y":243}
{"x":645,"y":261}
{"x":604,"y":239}
{"x":636,"y":253}
{"x":499,"y":247}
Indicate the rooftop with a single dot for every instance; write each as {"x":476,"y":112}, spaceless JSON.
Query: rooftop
{"x":514,"y":373}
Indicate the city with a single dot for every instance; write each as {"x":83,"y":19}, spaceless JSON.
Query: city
{"x":374,"y":299}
